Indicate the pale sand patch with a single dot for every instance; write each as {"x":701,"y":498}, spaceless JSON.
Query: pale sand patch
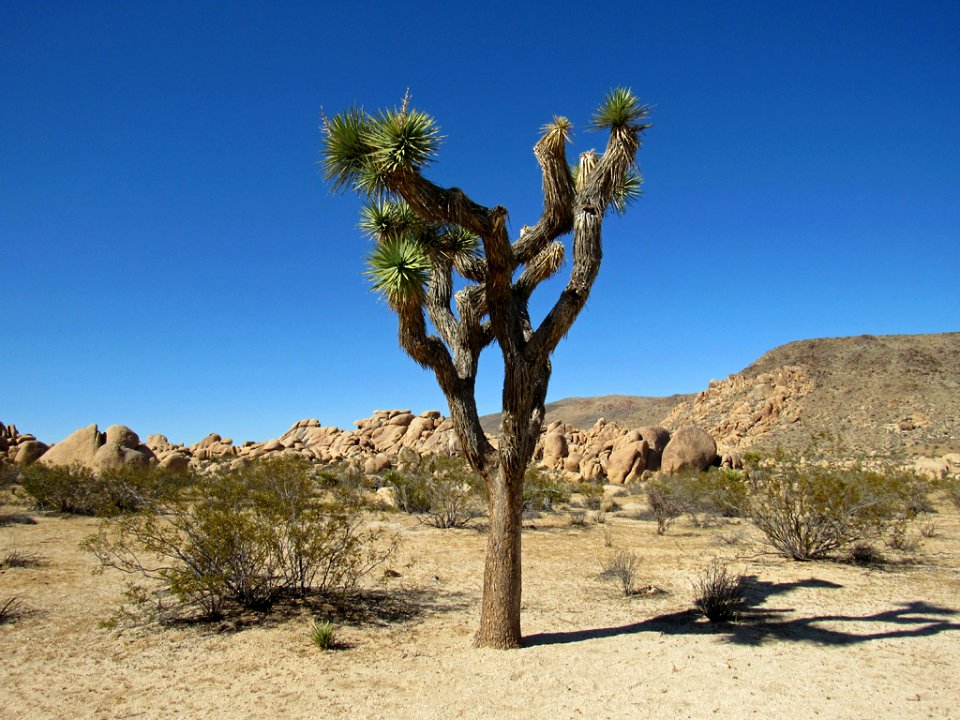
{"x":823,"y":639}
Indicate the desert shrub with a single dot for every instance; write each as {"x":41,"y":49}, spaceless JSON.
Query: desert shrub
{"x":592,"y":494}
{"x":953,"y":492}
{"x":9,"y":474}
{"x":578,"y":518}
{"x":899,"y":537}
{"x":544,"y":488}
{"x":718,"y":593}
{"x":11,"y":609}
{"x":323,"y":634}
{"x":16,"y":519}
{"x":864,"y":553}
{"x":701,"y":495}
{"x":621,"y":568}
{"x":73,"y":489}
{"x":730,"y":537}
{"x":442,"y":490}
{"x":19,"y":559}
{"x":808,"y":511}
{"x":250,"y":536}
{"x":80,"y":491}
{"x":664,"y":503}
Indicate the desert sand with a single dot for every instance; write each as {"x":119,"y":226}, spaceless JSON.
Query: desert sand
{"x":819,"y":639}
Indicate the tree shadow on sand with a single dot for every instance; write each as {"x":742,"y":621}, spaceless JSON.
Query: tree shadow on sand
{"x":756,"y":625}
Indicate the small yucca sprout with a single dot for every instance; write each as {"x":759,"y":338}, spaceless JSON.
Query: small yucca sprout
{"x":323,"y":634}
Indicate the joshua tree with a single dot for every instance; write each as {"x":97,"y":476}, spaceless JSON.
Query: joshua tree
{"x":424,"y":234}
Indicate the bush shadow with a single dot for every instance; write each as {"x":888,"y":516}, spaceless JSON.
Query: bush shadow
{"x":756,"y":625}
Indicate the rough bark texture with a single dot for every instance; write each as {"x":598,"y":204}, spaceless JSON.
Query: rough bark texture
{"x":494,"y":306}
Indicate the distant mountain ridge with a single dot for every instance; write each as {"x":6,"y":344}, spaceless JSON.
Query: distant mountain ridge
{"x":628,"y":410}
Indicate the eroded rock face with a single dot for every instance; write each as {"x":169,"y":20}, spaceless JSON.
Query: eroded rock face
{"x":80,"y":446}
{"x":690,"y":448}
{"x":741,"y":410}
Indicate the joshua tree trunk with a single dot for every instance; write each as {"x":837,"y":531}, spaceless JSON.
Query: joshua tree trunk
{"x":425,"y":233}
{"x":502,"y":580}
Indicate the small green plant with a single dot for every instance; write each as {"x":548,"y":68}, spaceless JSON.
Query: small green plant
{"x":719,"y":593}
{"x":543,"y":489}
{"x":621,"y":568}
{"x":704,"y":496}
{"x":442,"y":490}
{"x":592,"y":494}
{"x":323,"y":634}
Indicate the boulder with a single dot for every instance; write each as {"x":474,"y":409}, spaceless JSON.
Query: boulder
{"x":387,"y":496}
{"x":122,"y":436}
{"x":554,"y":447}
{"x":657,"y":439}
{"x":29,"y":452}
{"x":158,"y":443}
{"x":111,"y":456}
{"x":376,"y":464}
{"x":175,"y":462}
{"x":78,"y":447}
{"x":690,"y":448}
{"x":627,"y":462}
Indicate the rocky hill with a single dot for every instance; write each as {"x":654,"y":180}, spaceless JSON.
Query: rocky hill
{"x":857,"y":396}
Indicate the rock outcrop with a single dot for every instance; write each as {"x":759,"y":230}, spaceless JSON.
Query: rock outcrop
{"x":118,"y":447}
{"x":690,"y":448}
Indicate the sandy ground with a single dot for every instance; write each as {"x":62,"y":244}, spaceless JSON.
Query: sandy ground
{"x":819,"y":640}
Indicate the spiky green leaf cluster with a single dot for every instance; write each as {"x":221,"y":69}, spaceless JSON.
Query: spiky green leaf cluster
{"x":628,"y":191}
{"x":619,"y":109}
{"x":403,"y":139}
{"x":362,"y":152}
{"x":381,"y":219}
{"x":399,"y":268}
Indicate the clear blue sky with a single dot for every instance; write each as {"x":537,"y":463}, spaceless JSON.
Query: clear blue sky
{"x":171,"y":259}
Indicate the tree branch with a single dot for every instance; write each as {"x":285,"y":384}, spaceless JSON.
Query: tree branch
{"x":439,"y":293}
{"x":428,"y":351}
{"x":605,"y":176}
{"x":558,"y":195}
